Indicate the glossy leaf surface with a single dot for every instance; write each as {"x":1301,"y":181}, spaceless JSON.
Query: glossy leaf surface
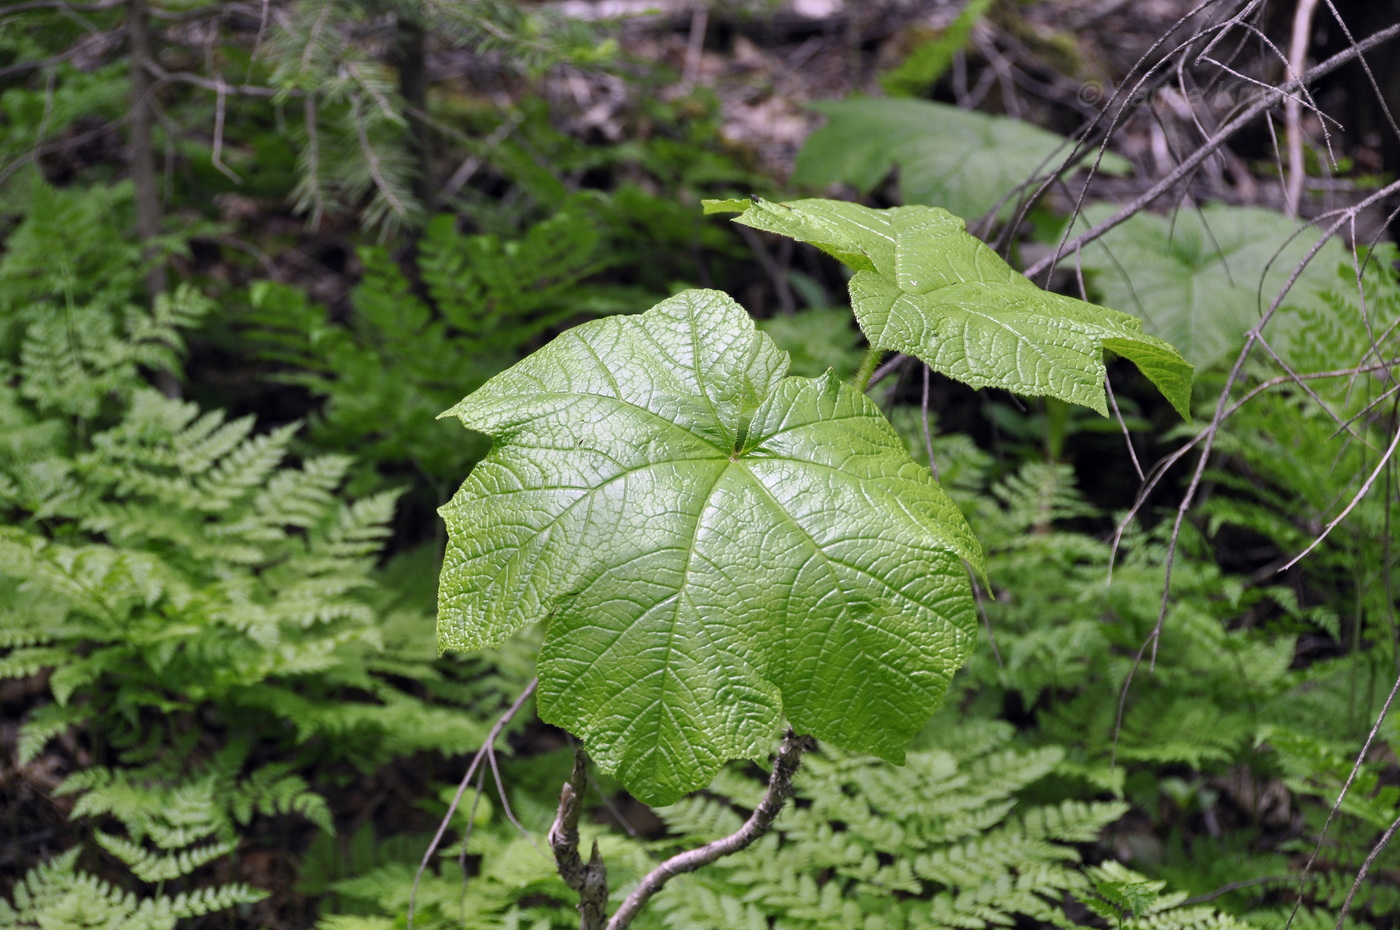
{"x":714,"y":547}
{"x":925,"y":287}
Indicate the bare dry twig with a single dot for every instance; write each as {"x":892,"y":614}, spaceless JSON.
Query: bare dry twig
{"x":1266,"y":100}
{"x":1381,"y":844}
{"x":1113,"y":114}
{"x":1252,"y":337}
{"x":759,"y":823}
{"x":1293,"y":111}
{"x":487,"y":749}
{"x":1336,"y":808}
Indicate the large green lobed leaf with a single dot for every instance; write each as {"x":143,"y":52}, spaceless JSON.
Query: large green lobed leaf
{"x":713,"y":547}
{"x":1202,"y":278}
{"x":969,"y":162}
{"x":925,"y":287}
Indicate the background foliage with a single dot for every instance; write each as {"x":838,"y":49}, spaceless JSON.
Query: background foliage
{"x":249,"y":252}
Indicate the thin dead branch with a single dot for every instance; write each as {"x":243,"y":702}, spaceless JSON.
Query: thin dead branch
{"x":1336,"y":809}
{"x":759,"y":823}
{"x":1266,"y":100}
{"x":487,"y":749}
{"x":1351,"y":505}
{"x":1293,"y":110}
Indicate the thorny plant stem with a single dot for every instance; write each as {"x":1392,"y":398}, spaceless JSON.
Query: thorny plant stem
{"x":759,"y":823}
{"x":867,"y":368}
{"x":589,"y":879}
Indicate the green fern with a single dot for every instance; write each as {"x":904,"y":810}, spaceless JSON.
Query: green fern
{"x":156,"y":867}
{"x":55,"y":896}
{"x":67,"y":249}
{"x":193,"y":602}
{"x":71,"y":94}
{"x":515,"y":886}
{"x":1129,"y":901}
{"x":1312,"y":767}
{"x":1271,"y":493}
{"x":401,"y":360}
{"x":1306,"y":918}
{"x":1066,"y":638}
{"x":816,"y":338}
{"x":941,"y":841}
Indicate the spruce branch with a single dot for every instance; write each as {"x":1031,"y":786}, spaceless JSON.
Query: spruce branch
{"x":759,"y":823}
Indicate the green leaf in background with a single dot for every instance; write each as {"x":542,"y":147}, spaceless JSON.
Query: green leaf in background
{"x":1202,"y":278}
{"x":925,"y":287}
{"x":713,"y":546}
{"x":962,"y":160}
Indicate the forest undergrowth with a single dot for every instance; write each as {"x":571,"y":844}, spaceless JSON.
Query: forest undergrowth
{"x":250,"y":252}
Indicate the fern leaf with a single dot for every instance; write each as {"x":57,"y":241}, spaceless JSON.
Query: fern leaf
{"x":203,"y":901}
{"x":154,"y":867}
{"x":25,"y":661}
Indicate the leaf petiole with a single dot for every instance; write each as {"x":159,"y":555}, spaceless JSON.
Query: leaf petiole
{"x":867,"y":368}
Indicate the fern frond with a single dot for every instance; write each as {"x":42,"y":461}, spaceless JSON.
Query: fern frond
{"x":355,"y":922}
{"x":701,"y":817}
{"x":54,"y":896}
{"x":700,"y":906}
{"x":1002,"y":852}
{"x":1130,"y":899}
{"x":75,"y":674}
{"x":151,"y":866}
{"x":1040,"y":494}
{"x":28,"y":660}
{"x":203,"y":901}
{"x":171,"y":816}
{"x":273,"y":789}
{"x":1304,"y":918}
{"x":43,"y":724}
{"x":301,"y":497}
{"x":229,"y":465}
{"x":1071,"y":821}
